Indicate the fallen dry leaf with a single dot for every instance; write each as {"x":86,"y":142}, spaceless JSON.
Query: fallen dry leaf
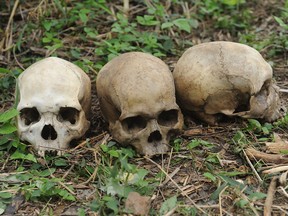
{"x":137,"y":204}
{"x":278,"y":145}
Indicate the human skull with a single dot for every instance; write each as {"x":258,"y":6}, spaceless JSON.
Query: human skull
{"x":226,"y":78}
{"x":137,"y":97}
{"x":54,"y":103}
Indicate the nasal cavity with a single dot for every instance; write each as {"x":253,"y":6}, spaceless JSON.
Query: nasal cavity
{"x":155,"y":136}
{"x":49,"y":133}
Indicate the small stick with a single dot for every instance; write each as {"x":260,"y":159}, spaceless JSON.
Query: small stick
{"x":179,"y":188}
{"x":270,"y":197}
{"x":276,"y":169}
{"x":273,"y":158}
{"x":252,"y":167}
{"x":283,"y":90}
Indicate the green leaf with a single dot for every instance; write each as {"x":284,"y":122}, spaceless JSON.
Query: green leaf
{"x":4,"y":70}
{"x":2,"y":208}
{"x":83,"y":17}
{"x":66,"y":195}
{"x":113,"y":204}
{"x":46,"y":40}
{"x":194,"y":143}
{"x":5,"y":195}
{"x":7,"y":115}
{"x":113,"y":153}
{"x":257,"y":196}
{"x":255,"y":123}
{"x":20,"y":155}
{"x":47,"y":172}
{"x":281,"y":22}
{"x":60,"y":162}
{"x":166,"y":25}
{"x":47,"y":25}
{"x":215,"y":194}
{"x":231,"y":2}
{"x":210,"y":176}
{"x":168,"y":205}
{"x":183,"y":24}
{"x":7,"y":129}
{"x":242,"y":203}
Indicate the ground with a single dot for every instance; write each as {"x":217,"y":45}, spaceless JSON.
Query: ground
{"x":228,"y":169}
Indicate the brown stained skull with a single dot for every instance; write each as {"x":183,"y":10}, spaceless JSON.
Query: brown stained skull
{"x":54,"y":104}
{"x":137,"y":97}
{"x":226,"y":78}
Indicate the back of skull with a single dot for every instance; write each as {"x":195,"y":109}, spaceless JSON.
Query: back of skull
{"x":54,"y":101}
{"x":137,"y":97}
{"x":227,"y":78}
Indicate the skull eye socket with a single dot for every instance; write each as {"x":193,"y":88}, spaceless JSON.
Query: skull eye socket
{"x":134,"y":124}
{"x":68,"y":114}
{"x":29,"y":115}
{"x":168,"y":118}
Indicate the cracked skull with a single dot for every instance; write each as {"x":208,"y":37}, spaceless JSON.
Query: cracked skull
{"x":54,"y":101}
{"x":226,"y":78}
{"x":137,"y":97}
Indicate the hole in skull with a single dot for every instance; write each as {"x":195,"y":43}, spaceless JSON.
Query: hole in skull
{"x":68,"y":114}
{"x":155,"y":136}
{"x":49,"y":133}
{"x":29,"y":115}
{"x":243,"y":103}
{"x":134,"y":124}
{"x":168,"y":118}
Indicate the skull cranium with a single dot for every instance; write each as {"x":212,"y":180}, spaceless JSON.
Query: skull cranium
{"x":226,"y":78}
{"x":54,"y":103}
{"x":137,"y":97}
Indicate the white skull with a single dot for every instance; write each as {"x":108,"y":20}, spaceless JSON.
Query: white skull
{"x":54,"y":101}
{"x":137,"y":96}
{"x":226,"y":78}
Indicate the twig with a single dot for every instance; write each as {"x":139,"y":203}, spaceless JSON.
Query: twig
{"x":270,"y":197}
{"x":272,"y":158}
{"x":179,"y":188}
{"x":220,"y":201}
{"x":283,"y":90}
{"x":284,"y":191}
{"x":170,"y":176}
{"x":68,"y":171}
{"x":276,"y":169}
{"x":252,"y":167}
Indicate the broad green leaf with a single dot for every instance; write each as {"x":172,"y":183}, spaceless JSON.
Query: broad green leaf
{"x":4,"y":70}
{"x":5,"y":195}
{"x":168,"y":205}
{"x":166,"y":25}
{"x":60,"y":162}
{"x":113,"y":204}
{"x":66,"y":195}
{"x":7,"y":115}
{"x":242,"y":203}
{"x":257,"y":195}
{"x":183,"y":24}
{"x":7,"y":129}
{"x":83,"y":17}
{"x":193,"y":144}
{"x":46,"y":40}
{"x":31,"y":157}
{"x":47,"y":172}
{"x":2,"y":208}
{"x":113,"y":153}
{"x":20,"y":155}
{"x":47,"y":25}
